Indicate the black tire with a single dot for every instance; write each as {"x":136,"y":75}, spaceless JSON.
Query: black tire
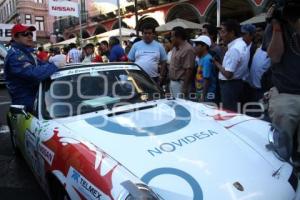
{"x":57,"y":191}
{"x":12,"y":134}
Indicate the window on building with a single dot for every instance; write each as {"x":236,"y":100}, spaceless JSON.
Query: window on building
{"x":8,"y":10}
{"x":38,"y":1}
{"x":10,"y":7}
{"x":14,"y":5}
{"x":1,"y":33}
{"x":82,"y":5}
{"x":39,"y":23}
{"x":5,"y":12}
{"x":27,"y":19}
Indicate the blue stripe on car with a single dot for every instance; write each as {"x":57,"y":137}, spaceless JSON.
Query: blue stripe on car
{"x":181,"y":120}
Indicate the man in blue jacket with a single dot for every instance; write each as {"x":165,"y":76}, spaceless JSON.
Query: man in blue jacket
{"x":22,"y":71}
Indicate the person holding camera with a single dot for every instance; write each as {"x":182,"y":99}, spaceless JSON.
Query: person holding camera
{"x":284,"y":52}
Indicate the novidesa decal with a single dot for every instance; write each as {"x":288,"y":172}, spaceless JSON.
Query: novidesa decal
{"x":182,"y":119}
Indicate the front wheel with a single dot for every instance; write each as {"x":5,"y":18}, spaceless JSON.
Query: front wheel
{"x":57,"y":191}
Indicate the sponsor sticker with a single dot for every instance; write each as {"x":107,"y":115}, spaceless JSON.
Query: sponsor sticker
{"x":30,"y":144}
{"x":85,"y":187}
{"x":172,"y":146}
{"x":46,"y":153}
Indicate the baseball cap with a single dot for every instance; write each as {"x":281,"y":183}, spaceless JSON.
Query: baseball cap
{"x":203,"y":38}
{"x":18,"y":28}
{"x":248,"y":28}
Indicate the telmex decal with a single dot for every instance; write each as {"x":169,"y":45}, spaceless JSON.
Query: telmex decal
{"x":86,"y":188}
{"x":92,"y":70}
{"x":180,"y":143}
{"x":46,"y":153}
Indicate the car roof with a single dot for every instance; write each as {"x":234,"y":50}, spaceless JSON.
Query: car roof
{"x":82,"y":65}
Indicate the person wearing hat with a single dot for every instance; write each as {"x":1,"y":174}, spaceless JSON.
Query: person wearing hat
{"x":205,"y":80}
{"x":22,"y":70}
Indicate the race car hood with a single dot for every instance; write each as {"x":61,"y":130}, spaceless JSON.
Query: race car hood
{"x":182,"y":151}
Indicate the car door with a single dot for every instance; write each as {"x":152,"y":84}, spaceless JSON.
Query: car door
{"x":26,"y":129}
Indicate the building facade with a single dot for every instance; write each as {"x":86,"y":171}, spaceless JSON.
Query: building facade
{"x":98,"y":19}
{"x":28,"y":12}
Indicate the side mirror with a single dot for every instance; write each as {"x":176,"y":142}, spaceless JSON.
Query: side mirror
{"x":19,"y":109}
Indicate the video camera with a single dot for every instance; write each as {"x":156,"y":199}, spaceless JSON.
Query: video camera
{"x":286,"y":10}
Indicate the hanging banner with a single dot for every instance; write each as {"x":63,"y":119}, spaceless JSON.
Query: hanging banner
{"x":63,"y":8}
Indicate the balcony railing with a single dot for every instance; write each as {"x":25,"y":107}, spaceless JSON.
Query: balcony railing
{"x":32,"y":4}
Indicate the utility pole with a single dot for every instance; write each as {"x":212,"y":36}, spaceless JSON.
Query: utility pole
{"x":80,"y":22}
{"x":136,"y":18}
{"x":218,"y":13}
{"x":120,"y":22}
{"x":218,"y":17}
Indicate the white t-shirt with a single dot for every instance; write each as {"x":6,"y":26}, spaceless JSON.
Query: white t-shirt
{"x":236,"y":59}
{"x":148,"y":56}
{"x":260,"y":64}
{"x":59,"y":58}
{"x":87,"y":59}
{"x":169,"y":56}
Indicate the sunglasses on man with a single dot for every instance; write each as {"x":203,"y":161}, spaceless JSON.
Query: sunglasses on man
{"x":25,"y":34}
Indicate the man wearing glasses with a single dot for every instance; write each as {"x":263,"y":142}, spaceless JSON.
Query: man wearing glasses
{"x":22,"y":71}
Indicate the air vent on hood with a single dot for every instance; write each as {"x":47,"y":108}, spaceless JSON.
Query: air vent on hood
{"x":131,"y":110}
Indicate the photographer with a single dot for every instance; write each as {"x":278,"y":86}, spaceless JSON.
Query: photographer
{"x":284,"y":52}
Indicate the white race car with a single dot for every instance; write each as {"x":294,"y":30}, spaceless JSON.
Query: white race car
{"x":106,"y":131}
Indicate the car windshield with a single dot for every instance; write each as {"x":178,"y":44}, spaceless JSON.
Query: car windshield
{"x":87,"y":89}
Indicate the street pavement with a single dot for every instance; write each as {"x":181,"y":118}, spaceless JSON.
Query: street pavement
{"x":16,"y":179}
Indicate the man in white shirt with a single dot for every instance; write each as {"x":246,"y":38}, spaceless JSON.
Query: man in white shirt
{"x":148,"y":53}
{"x":57,"y":57}
{"x":234,"y":69}
{"x":260,"y":64}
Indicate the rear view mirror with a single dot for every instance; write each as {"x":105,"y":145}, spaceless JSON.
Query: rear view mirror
{"x":19,"y":109}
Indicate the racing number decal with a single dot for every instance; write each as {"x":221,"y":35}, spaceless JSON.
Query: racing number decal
{"x":197,"y":190}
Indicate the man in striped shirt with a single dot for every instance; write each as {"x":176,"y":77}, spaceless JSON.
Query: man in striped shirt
{"x":74,"y":55}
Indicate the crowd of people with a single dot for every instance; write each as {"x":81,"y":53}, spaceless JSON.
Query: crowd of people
{"x":228,"y":65}
{"x":228,"y":73}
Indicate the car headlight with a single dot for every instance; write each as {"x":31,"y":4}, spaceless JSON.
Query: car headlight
{"x":137,"y":192}
{"x":279,"y":144}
